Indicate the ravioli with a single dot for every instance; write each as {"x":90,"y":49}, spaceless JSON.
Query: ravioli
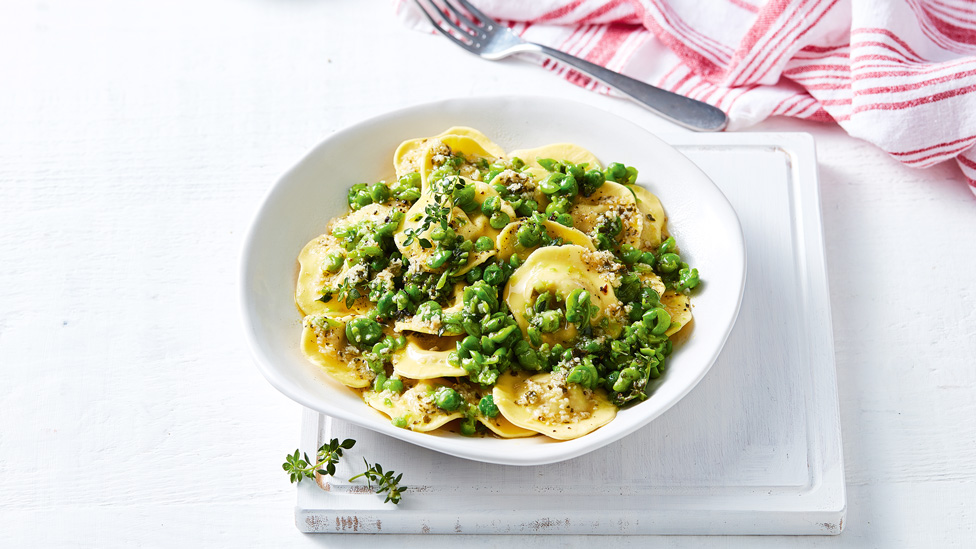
{"x":547,"y":404}
{"x":324,"y":343}
{"x":611,"y":199}
{"x":426,"y":358}
{"x":415,"y":407}
{"x":508,"y":244}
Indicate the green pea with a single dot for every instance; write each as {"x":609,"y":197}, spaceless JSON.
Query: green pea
{"x":569,"y":186}
{"x":647,"y":258}
{"x":551,"y":184}
{"x":535,"y":336}
{"x":592,"y":181}
{"x":370,"y":251}
{"x":487,"y":345}
{"x":378,"y":382}
{"x":626,"y":379}
{"x":385,"y":305}
{"x":429,"y":309}
{"x":493,"y":275}
{"x":668,"y":246}
{"x":402,"y":301}
{"x":466,"y":246}
{"x":473,"y":275}
{"x":470,"y":343}
{"x":542,"y":302}
{"x":400,"y":422}
{"x":687,"y":279}
{"x":439,"y":258}
{"x":333,"y":262}
{"x":668,"y":263}
{"x":528,"y":235}
{"x":504,"y":334}
{"x":411,"y":179}
{"x":484,"y":244}
{"x":629,"y":254}
{"x":528,"y":208}
{"x":548,"y":163}
{"x":616,"y":172}
{"x":499,"y":220}
{"x":379,"y":192}
{"x":393,"y":385}
{"x":408,"y":195}
{"x":657,"y":321}
{"x":631,"y":175}
{"x":447,"y":399}
{"x":584,"y":375}
{"x":550,"y":321}
{"x":438,"y":233}
{"x":565,"y":220}
{"x":363,"y":332}
{"x":574,"y":170}
{"x":487,"y":406}
{"x":414,"y":291}
{"x":578,"y":306}
{"x":464,"y":198}
{"x":469,"y":428}
{"x":649,"y":298}
{"x":491,"y":205}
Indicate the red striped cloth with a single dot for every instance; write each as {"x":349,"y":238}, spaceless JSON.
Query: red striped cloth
{"x":899,"y":74}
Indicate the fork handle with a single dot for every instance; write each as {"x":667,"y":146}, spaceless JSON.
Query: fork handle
{"x":684,"y":111}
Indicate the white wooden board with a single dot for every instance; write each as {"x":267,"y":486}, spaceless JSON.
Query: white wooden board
{"x":754,"y":449}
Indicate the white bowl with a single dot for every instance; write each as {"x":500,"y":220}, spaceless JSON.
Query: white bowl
{"x":298,"y":206}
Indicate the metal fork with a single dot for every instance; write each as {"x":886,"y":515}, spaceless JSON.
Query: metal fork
{"x":481,"y":35}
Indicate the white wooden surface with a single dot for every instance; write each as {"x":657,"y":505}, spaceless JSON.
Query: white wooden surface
{"x":136,"y":140}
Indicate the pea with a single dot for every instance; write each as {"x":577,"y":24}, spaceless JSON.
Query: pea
{"x":668,"y":246}
{"x":393,"y":385}
{"x":517,"y":163}
{"x":549,"y":164}
{"x":569,"y":186}
{"x":468,"y":428}
{"x":402,"y":301}
{"x":528,"y":235}
{"x":542,"y":302}
{"x":363,"y":332}
{"x":565,"y":220}
{"x":413,"y":291}
{"x":498,"y":220}
{"x":631,"y":175}
{"x":551,"y":184}
{"x":647,"y":258}
{"x":484,"y":244}
{"x":447,"y":399}
{"x":429,"y":309}
{"x":473,"y":275}
{"x":378,"y":382}
{"x":400,"y":422}
{"x":411,"y":179}
{"x":668,"y":263}
{"x":629,"y":254}
{"x":657,"y":321}
{"x":471,"y":343}
{"x":487,"y":406}
{"x":333,"y":262}
{"x":379,"y":192}
{"x":592,"y":181}
{"x":626,"y":379}
{"x":438,"y":233}
{"x":408,"y":195}
{"x":464,"y":198}
{"x":491,"y":205}
{"x":687,"y":279}
{"x":574,"y":170}
{"x":557,"y":206}
{"x":616,"y":172}
{"x":493,"y":275}
{"x":385,"y":305}
{"x":584,"y":375}
{"x":578,"y":306}
{"x":466,"y":246}
{"x":528,"y":207}
{"x":503,"y":334}
{"x":535,"y":336}
{"x":550,"y":321}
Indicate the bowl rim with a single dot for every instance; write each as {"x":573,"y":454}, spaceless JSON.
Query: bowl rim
{"x":569,"y":449}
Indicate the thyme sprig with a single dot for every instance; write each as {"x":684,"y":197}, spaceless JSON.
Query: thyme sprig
{"x":385,"y":481}
{"x":299,"y":466}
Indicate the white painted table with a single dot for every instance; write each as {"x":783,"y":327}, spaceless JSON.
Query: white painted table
{"x":135,"y":143}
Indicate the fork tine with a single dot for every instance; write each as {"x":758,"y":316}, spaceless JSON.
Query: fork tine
{"x":463,"y":18}
{"x":485,"y":20}
{"x":440,"y":28}
{"x":466,"y":32}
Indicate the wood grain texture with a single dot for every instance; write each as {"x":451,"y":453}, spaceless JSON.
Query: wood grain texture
{"x":136,"y":139}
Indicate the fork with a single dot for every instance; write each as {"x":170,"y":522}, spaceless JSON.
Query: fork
{"x":483,"y":36}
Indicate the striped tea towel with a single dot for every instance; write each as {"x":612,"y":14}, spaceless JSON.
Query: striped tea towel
{"x":900,"y":74}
